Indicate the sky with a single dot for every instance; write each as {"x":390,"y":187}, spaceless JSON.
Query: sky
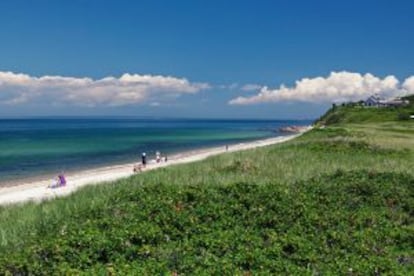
{"x":201,"y":59}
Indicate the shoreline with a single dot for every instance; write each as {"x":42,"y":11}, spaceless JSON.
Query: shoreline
{"x":172,"y":155}
{"x":37,"y":189}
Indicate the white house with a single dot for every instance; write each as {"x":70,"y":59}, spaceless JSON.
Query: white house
{"x":374,"y":100}
{"x":378,"y":101}
{"x":396,"y":102}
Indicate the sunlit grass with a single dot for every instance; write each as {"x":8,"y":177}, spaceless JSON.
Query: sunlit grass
{"x":208,"y":215}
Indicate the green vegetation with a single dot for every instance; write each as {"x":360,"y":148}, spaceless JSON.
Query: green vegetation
{"x":357,"y":113}
{"x":337,"y":200}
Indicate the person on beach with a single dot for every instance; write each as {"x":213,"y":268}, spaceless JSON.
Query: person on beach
{"x":54,"y":184}
{"x":137,"y":168}
{"x":59,"y":181}
{"x":62,"y":179}
{"x":144,"y":159}
{"x":158,"y":157}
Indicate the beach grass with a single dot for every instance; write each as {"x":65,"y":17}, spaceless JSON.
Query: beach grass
{"x":337,"y":200}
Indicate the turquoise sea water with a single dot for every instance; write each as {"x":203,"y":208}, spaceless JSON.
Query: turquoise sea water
{"x":34,"y":147}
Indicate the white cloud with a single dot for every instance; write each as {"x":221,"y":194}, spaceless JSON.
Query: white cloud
{"x":408,"y":85}
{"x":127,"y":89}
{"x":250,"y":87}
{"x":337,"y":87}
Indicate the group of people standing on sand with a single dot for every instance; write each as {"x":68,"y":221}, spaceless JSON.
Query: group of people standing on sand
{"x":143,"y":164}
{"x":60,"y":180}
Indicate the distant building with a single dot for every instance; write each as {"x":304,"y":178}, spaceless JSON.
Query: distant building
{"x":396,"y":102}
{"x":374,"y":100}
{"x":377,"y":101}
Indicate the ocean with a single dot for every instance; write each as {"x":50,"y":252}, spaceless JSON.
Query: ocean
{"x":36,"y":147}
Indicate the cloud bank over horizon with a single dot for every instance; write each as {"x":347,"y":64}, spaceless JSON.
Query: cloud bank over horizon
{"x":337,"y":87}
{"x":109,"y":91}
{"x":157,"y":90}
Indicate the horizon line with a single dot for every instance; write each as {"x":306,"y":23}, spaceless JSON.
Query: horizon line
{"x":146,"y":117}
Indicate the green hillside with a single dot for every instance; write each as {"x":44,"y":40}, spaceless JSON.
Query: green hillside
{"x":357,"y":113}
{"x":337,"y":200}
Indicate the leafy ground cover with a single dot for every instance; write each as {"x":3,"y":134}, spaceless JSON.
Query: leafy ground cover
{"x":338,"y":200}
{"x":357,"y":113}
{"x":346,"y":221}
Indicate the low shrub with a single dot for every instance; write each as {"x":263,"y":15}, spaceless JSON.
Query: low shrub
{"x":403,"y":116}
{"x":359,"y":221}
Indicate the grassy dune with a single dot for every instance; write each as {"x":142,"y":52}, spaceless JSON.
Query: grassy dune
{"x":338,"y":200}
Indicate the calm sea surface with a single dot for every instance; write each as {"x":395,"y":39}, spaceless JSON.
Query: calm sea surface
{"x":35,"y":147}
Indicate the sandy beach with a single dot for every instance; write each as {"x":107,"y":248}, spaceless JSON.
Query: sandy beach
{"x":38,"y":190}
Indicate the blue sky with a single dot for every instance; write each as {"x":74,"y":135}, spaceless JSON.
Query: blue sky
{"x":210,"y":50}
